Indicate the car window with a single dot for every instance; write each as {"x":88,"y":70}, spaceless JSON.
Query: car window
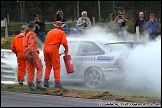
{"x":89,"y":48}
{"x":72,"y":48}
{"x":119,"y":47}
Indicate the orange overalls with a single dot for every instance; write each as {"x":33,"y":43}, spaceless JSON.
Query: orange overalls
{"x":18,"y":48}
{"x":54,"y":38}
{"x":31,"y":46}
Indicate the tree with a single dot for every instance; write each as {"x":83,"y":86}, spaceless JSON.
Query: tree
{"x":77,"y":9}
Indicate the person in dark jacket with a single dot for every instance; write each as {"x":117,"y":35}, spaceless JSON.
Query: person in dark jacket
{"x":60,"y":17}
{"x":40,"y":27}
{"x":142,"y":23}
{"x":153,"y":27}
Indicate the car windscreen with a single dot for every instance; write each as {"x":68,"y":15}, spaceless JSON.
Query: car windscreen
{"x":117,"y":47}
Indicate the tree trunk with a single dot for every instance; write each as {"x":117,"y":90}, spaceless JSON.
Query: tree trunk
{"x":18,"y":11}
{"x":23,"y":11}
{"x":77,"y":9}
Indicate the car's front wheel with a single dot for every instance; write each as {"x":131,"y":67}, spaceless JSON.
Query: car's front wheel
{"x":93,"y":77}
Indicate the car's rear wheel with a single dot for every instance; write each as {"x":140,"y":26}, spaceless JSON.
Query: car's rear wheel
{"x":93,"y":77}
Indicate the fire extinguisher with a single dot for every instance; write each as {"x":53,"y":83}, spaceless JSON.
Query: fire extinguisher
{"x":68,"y":64}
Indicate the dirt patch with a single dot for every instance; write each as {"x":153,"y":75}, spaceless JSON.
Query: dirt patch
{"x":107,"y":96}
{"x":104,"y":96}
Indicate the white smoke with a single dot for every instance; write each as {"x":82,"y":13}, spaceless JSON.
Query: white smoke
{"x":94,"y":33}
{"x":143,"y":68}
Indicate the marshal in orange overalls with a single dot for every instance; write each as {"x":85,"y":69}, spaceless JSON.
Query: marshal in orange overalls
{"x":54,"y":39}
{"x":18,"y":48}
{"x":31,"y":46}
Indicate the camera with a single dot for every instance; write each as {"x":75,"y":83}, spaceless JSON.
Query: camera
{"x":85,"y":24}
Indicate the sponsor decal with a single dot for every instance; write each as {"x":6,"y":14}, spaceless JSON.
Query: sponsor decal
{"x":95,"y":58}
{"x":105,"y":58}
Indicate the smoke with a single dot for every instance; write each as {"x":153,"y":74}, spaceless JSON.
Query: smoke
{"x":142,"y":68}
{"x":94,"y":33}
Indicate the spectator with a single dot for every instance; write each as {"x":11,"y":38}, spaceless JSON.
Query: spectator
{"x":142,"y":23}
{"x":18,"y":48}
{"x":60,"y":17}
{"x":121,"y":20}
{"x":83,"y":22}
{"x":153,"y":27}
{"x":40,"y":27}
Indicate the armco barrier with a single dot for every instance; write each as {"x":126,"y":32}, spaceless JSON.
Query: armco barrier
{"x":8,"y":65}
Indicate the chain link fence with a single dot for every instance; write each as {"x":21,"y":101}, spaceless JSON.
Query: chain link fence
{"x":16,"y":11}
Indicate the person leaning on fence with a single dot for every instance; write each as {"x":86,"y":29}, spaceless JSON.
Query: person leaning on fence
{"x":152,"y":27}
{"x":83,"y":22}
{"x":60,"y":17}
{"x":121,"y":20}
{"x":18,"y":48}
{"x":40,"y":27}
{"x":141,"y":22}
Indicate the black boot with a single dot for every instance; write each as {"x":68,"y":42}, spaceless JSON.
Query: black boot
{"x":40,"y":86}
{"x":46,"y":83}
{"x":20,"y":83}
{"x":31,"y":87}
{"x":58,"y":85}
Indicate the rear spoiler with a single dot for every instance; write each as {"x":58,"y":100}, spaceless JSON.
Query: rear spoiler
{"x":128,"y":42}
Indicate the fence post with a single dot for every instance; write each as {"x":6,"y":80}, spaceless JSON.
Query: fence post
{"x":110,"y":17}
{"x":8,"y":18}
{"x":6,"y":29}
{"x":93,"y":21}
{"x":137,"y":32}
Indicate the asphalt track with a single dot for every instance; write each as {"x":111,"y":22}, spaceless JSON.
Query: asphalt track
{"x":12,"y":99}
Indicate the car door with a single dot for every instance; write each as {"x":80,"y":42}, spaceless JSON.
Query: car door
{"x":87,"y":57}
{"x":73,"y":49}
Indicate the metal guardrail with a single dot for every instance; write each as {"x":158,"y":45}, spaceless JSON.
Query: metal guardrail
{"x":7,"y":71}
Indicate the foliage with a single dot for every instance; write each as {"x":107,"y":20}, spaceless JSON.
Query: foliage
{"x":8,"y":43}
{"x":47,"y":9}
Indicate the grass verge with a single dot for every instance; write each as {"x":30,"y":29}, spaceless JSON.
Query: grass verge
{"x":87,"y":94}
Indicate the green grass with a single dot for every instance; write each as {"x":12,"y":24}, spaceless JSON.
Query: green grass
{"x":134,"y":94}
{"x":8,"y":43}
{"x":15,"y":26}
{"x":24,"y":89}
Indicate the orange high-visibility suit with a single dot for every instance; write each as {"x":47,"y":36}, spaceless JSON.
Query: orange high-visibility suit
{"x":31,"y":46}
{"x":54,"y":38}
{"x":18,"y":48}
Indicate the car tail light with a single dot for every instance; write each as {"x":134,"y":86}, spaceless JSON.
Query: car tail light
{"x":117,"y":61}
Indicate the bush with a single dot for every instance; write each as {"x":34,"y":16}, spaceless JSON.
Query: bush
{"x":8,"y":43}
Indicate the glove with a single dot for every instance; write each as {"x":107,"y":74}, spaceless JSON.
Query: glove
{"x":31,"y":56}
{"x":66,"y":52}
{"x":16,"y":54}
{"x":38,"y":51}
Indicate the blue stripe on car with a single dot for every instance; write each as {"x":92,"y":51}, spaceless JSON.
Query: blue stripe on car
{"x":105,"y":58}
